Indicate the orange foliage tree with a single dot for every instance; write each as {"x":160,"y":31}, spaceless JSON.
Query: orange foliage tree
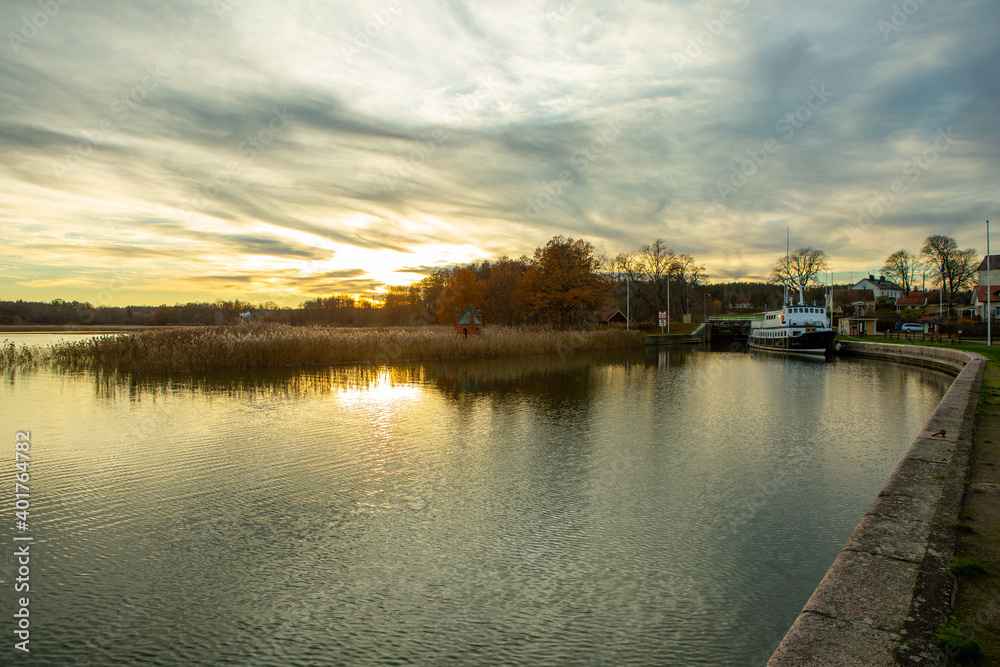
{"x":564,"y":283}
{"x":461,"y":290}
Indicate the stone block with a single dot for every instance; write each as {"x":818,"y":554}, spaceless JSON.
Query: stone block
{"x":914,"y":508}
{"x":818,"y":641}
{"x":894,"y":537}
{"x":862,"y":588}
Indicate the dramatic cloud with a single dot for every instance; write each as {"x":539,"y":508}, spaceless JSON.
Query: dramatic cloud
{"x":153,"y":152}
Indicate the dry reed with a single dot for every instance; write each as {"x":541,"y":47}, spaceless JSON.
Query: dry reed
{"x":248,"y":347}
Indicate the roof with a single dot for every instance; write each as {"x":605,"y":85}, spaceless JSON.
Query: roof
{"x":880,"y":282}
{"x":913,"y":299}
{"x":851,"y":295}
{"x":980,"y":292}
{"x":470,"y":316}
{"x":606,"y":317}
{"x":994,"y":262}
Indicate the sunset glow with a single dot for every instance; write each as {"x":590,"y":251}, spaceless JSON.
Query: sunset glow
{"x":282,"y":151}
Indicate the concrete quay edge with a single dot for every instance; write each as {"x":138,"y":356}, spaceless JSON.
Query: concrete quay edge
{"x":890,"y":587}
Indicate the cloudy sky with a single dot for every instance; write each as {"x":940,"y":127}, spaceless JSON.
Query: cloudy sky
{"x":172,"y":150}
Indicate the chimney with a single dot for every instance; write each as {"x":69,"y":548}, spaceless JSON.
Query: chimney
{"x":882,"y":278}
{"x":871,"y":277}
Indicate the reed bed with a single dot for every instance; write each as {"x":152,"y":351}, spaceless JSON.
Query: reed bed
{"x":24,"y":356}
{"x":249,"y":347}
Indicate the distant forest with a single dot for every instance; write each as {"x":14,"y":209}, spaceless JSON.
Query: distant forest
{"x":564,"y":284}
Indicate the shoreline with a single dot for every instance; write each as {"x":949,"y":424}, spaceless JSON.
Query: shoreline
{"x":86,"y":328}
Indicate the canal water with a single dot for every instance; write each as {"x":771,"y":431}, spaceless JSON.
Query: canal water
{"x":645,"y":508}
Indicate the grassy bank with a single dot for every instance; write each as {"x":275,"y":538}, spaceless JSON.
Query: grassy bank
{"x":275,"y":345}
{"x":973,"y":633}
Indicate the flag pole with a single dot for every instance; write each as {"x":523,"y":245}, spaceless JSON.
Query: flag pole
{"x":989,"y":314}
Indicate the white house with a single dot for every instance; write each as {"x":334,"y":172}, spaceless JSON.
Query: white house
{"x":994,"y":271}
{"x":979,"y":298}
{"x":880,"y":287}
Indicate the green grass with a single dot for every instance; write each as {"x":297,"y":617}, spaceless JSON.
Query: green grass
{"x":249,"y":347}
{"x":963,"y":527}
{"x":957,"y":643}
{"x":992,"y":352}
{"x":966,"y":566}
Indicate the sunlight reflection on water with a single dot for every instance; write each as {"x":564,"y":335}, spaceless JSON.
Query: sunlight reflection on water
{"x":675,"y":508}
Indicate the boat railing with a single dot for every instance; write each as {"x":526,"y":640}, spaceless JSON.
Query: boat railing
{"x":734,"y":318}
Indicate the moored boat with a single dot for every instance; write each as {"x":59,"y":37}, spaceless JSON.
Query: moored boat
{"x":798,"y":329}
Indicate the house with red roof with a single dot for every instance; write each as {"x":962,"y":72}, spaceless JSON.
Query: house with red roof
{"x":912,"y":300}
{"x":979,"y":300}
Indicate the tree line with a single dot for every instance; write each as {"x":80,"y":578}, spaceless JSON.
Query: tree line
{"x":566,"y":283}
{"x":952,"y":269}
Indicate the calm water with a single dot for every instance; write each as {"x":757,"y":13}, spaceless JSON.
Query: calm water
{"x":606,"y":509}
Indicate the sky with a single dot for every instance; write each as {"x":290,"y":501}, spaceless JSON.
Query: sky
{"x":162,"y":151}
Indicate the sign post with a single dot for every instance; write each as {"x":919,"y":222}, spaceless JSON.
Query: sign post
{"x":663,"y":320}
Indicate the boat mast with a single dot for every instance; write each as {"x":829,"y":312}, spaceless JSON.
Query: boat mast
{"x":788,"y":269}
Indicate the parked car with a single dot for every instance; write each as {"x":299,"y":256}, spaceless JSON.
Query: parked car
{"x":912,"y":326}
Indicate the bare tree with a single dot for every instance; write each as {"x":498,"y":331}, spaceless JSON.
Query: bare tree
{"x":901,"y":266}
{"x":690,"y":274}
{"x":798,"y":269}
{"x":964,"y":270}
{"x":955,"y":268}
{"x":655,"y":261}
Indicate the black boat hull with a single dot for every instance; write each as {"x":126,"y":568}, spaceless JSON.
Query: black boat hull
{"x":814,"y":342}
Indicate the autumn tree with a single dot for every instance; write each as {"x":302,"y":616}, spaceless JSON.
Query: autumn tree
{"x":500,"y":299}
{"x":564,"y":282}
{"x":901,"y":267}
{"x":461,"y":290}
{"x":797,"y":270}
